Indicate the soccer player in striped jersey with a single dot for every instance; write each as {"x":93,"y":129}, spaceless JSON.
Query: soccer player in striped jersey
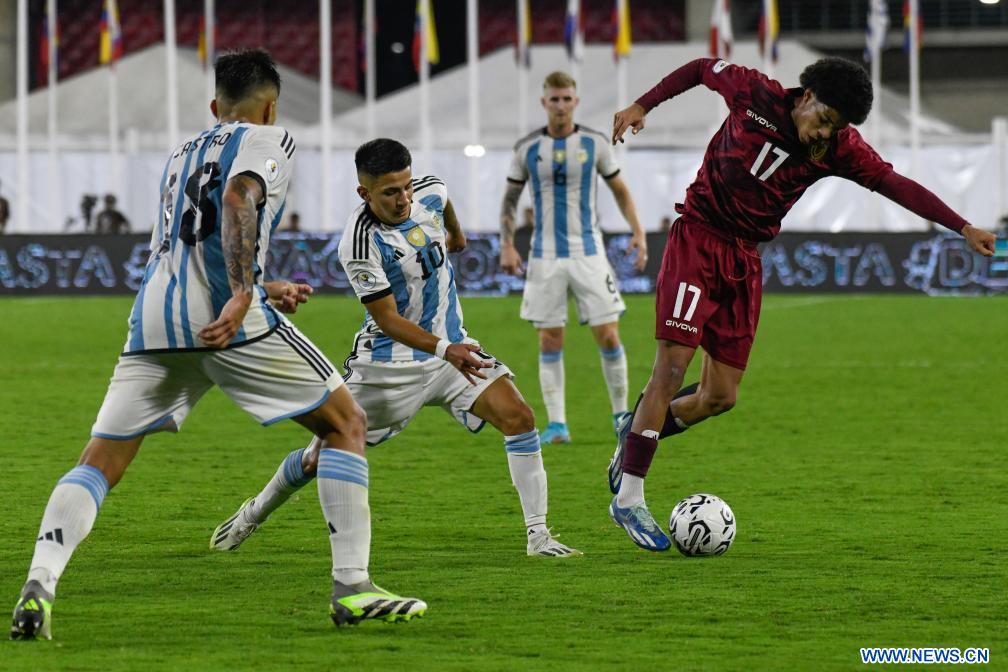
{"x":775,"y":143}
{"x":413,"y":350}
{"x":203,"y":316}
{"x":563,"y":161}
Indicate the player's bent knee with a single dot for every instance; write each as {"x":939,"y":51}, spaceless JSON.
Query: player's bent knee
{"x":716,"y":404}
{"x":518,"y":421}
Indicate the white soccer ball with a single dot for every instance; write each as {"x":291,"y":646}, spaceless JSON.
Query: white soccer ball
{"x":702,"y":525}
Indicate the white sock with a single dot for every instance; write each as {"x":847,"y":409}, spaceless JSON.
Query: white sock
{"x":288,"y":479}
{"x":343,"y":493}
{"x":529,"y":478}
{"x":631,"y":491}
{"x":69,"y":515}
{"x":614,"y":370}
{"x":551,"y":380}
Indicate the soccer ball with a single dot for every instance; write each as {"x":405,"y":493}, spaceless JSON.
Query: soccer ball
{"x":702,"y":525}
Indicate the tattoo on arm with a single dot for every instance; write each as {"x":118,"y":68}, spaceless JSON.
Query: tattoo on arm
{"x":238,"y":231}
{"x":509,"y":208}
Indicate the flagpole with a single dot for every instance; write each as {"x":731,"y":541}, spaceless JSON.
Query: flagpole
{"x":425,"y":126}
{"x":472,"y":55}
{"x":325,"y":109}
{"x":113,"y":91}
{"x":523,"y":48}
{"x":875,"y":128}
{"x":171,"y":72}
{"x":209,"y":30}
{"x":767,"y":40}
{"x":55,"y":181}
{"x":370,"y":78}
{"x":21,"y":220}
{"x":914,"y":88}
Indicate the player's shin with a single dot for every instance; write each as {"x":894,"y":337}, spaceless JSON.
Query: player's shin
{"x":551,"y":381}
{"x":343,"y":493}
{"x":638,"y":452}
{"x":529,"y":478}
{"x":288,"y":479}
{"x":674,"y":425}
{"x":68,"y":518}
{"x":614,"y":370}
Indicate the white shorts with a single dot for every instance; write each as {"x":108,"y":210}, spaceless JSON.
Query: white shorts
{"x":590,"y":280}
{"x":280,"y":376}
{"x":391,"y":393}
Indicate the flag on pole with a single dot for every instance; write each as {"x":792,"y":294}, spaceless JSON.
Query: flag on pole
{"x":769,"y":30}
{"x":429,"y":33}
{"x":524,"y":33}
{"x":43,"y":53}
{"x":622,"y":39}
{"x":720,"y":30}
{"x":573,"y":31}
{"x":878,"y":25}
{"x":906,"y":27}
{"x":201,"y":42}
{"x":110,"y":49}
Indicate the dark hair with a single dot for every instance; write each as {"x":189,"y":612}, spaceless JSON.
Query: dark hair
{"x":381,"y":156}
{"x":841,"y":84}
{"x":240,"y":73}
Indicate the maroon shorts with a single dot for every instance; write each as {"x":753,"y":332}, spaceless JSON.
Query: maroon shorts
{"x":708,"y":292}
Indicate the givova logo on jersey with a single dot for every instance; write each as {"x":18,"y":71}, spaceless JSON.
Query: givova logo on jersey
{"x":680,"y":320}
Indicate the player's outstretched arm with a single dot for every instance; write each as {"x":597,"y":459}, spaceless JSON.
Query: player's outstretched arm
{"x":398,"y":328}
{"x":510,"y":261}
{"x":455,"y":238}
{"x":921,"y":201}
{"x":286,"y":296}
{"x":239,"y":223}
{"x":638,"y":239}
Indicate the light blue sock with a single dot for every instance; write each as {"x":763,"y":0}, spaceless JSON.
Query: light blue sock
{"x":288,"y":479}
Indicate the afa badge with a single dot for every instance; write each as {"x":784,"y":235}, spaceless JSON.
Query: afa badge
{"x":582,"y":155}
{"x":436,"y":220}
{"x":559,"y":156}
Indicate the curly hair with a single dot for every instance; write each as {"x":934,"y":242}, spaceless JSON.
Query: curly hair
{"x":841,"y":84}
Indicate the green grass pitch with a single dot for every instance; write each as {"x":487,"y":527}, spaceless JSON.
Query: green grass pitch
{"x":865,"y":463}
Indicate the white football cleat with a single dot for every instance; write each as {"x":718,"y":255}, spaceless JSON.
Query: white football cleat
{"x":543,"y":543}
{"x":230,"y":534}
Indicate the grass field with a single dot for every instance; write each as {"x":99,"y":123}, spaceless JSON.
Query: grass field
{"x":865,"y":463}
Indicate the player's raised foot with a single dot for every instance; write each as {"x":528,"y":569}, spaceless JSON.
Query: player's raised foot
{"x":354,"y":603}
{"x":640,"y":526}
{"x":544,"y":544}
{"x":33,"y":613}
{"x":555,"y":432}
{"x":616,"y":463}
{"x":617,"y":420}
{"x":230,"y":534}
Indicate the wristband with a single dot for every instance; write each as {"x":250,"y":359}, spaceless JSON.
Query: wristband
{"x":440,"y":348}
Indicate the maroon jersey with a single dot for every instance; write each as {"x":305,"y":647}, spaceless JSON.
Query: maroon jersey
{"x":755,"y":167}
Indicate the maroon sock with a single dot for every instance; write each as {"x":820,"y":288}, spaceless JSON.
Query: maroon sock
{"x":638,"y":451}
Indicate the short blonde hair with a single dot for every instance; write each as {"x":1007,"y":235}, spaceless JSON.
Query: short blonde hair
{"x":559,"y":80}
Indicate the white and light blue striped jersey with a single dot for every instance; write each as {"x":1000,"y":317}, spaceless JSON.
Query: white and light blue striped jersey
{"x":408,"y":261}
{"x":185,"y":283}
{"x":563,"y":172}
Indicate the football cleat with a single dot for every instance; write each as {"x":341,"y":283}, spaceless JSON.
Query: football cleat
{"x":352,"y":604}
{"x":230,"y":534}
{"x":617,"y":418}
{"x":33,"y":613}
{"x":640,"y":526}
{"x":616,"y":463}
{"x":543,"y":543}
{"x":555,"y":432}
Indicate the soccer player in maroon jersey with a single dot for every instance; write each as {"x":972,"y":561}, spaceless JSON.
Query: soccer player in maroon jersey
{"x":775,"y":144}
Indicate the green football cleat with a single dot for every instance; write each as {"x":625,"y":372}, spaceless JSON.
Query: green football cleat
{"x":33,"y":613}
{"x":352,"y":604}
